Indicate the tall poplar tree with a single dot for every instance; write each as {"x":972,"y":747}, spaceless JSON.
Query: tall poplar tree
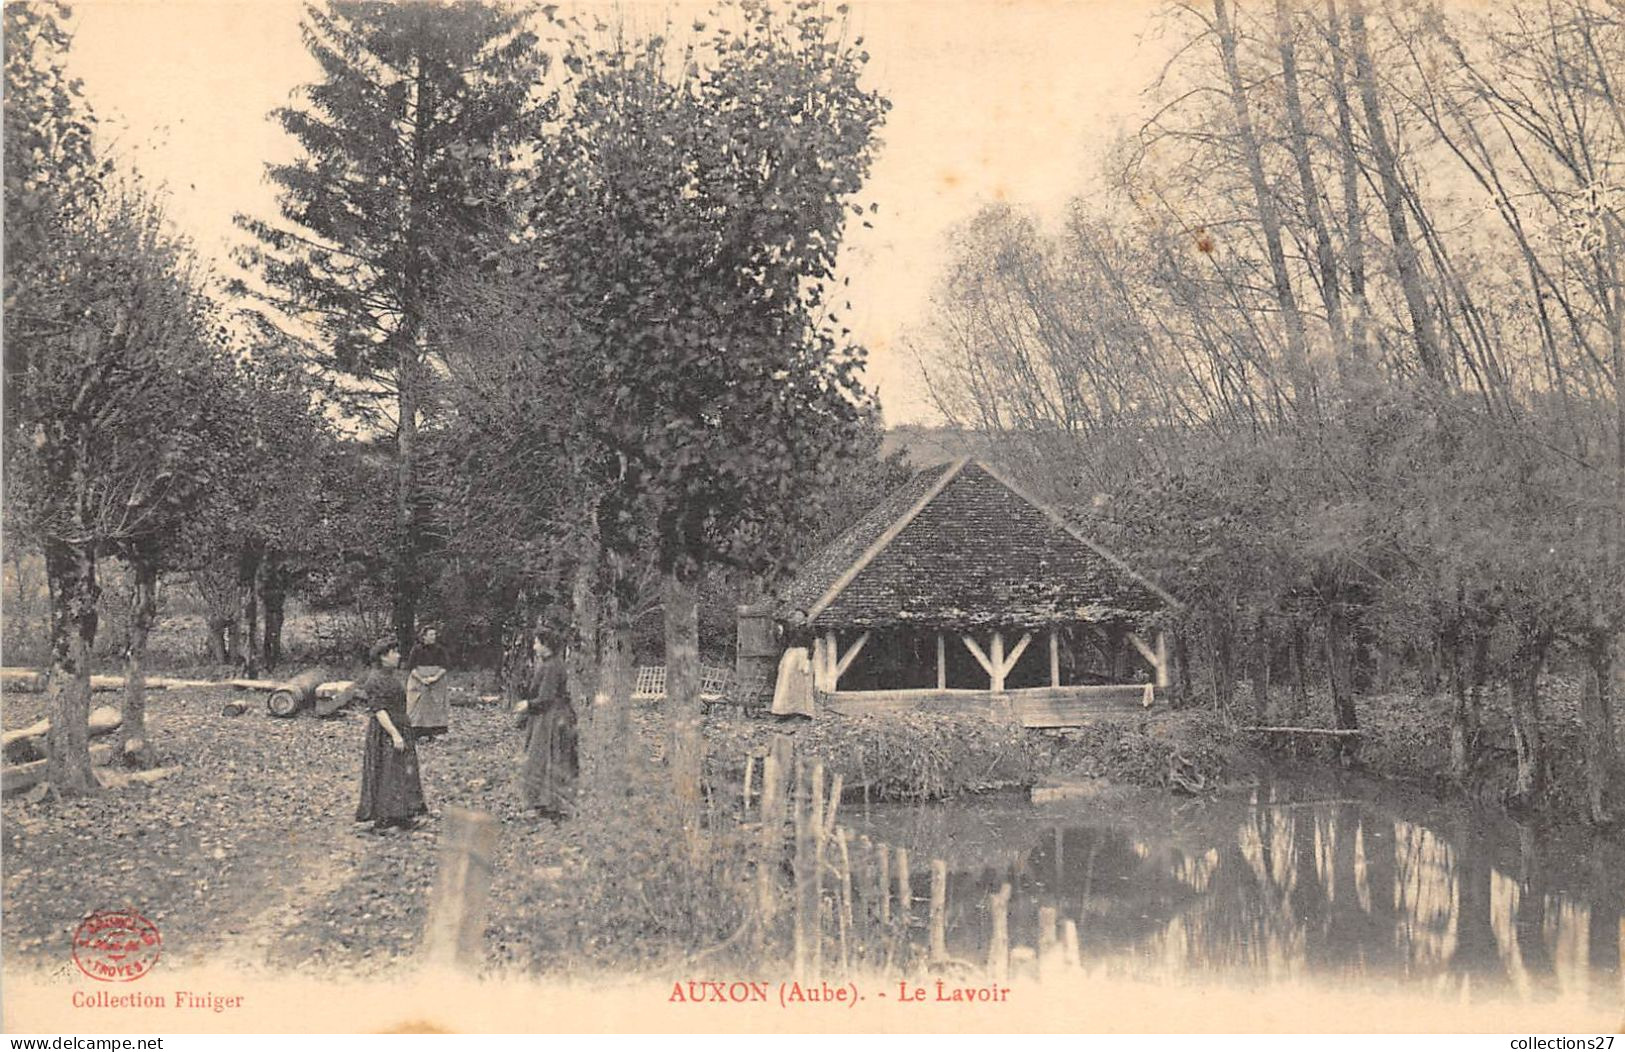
{"x":406,"y":148}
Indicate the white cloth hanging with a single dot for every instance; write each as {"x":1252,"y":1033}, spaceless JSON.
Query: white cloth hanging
{"x":793,"y":693}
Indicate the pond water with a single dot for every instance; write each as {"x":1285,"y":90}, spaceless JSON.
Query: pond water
{"x":1297,"y":879}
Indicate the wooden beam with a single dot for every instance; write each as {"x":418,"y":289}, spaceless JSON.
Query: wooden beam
{"x":1157,"y":659}
{"x":977,"y":653}
{"x":846,"y":660}
{"x":1054,"y":658}
{"x":832,"y":651}
{"x":996,"y":658}
{"x":942,"y":662}
{"x":1015,"y":655}
{"x":819,"y":665}
{"x":890,"y":534}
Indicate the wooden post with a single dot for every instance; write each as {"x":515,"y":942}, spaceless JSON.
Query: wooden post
{"x":998,"y":947}
{"x":942,"y":662}
{"x":802,"y":865}
{"x":1070,"y":953}
{"x":750,"y":769}
{"x":815,"y":829}
{"x":832,"y":656}
{"x":1163,"y":679}
{"x":1054,"y":658}
{"x":846,"y":895}
{"x":770,"y":849}
{"x":939,"y":910}
{"x":837,"y":785}
{"x":996,"y":659}
{"x":457,"y":906}
{"x":819,"y":665}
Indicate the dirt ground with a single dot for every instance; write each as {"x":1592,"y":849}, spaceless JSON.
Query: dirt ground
{"x":250,"y":854}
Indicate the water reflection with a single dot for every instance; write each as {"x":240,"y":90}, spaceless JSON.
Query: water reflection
{"x":1284,"y":886}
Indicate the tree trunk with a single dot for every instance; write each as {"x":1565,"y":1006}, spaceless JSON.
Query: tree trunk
{"x":609,"y":731}
{"x":1467,"y":675}
{"x":406,"y":551}
{"x":1337,"y":675}
{"x":273,"y":599}
{"x":1261,"y":674}
{"x":1432,"y":674}
{"x":248,"y":566}
{"x":1526,"y":735}
{"x":409,"y":361}
{"x":1268,"y":216}
{"x":1221,"y":648}
{"x":687,"y":746}
{"x":1463,"y":730}
{"x":1326,"y":256}
{"x":1597,"y":726}
{"x":133,"y":745}
{"x":1405,"y":257}
{"x":218,"y":637}
{"x":1182,"y":661}
{"x":71,"y":570}
{"x":1300,"y":674}
{"x":583,"y":663}
{"x":1353,"y":227}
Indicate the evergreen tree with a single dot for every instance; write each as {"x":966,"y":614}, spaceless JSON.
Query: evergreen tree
{"x":407,"y":146}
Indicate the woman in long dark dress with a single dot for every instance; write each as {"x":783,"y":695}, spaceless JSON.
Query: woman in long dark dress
{"x":391,"y":793}
{"x":548,"y":777}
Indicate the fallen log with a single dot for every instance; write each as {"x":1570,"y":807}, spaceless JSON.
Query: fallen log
{"x":1327,"y":731}
{"x":28,"y":743}
{"x":27,"y":775}
{"x":296,"y":694}
{"x":254,"y":684}
{"x":32,"y":681}
{"x":22,"y":680}
{"x":331,"y":697}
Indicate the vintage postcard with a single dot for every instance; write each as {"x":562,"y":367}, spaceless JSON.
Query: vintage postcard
{"x":764,"y":516}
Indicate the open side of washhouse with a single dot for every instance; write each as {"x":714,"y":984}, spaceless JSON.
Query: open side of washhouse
{"x":960,"y":592}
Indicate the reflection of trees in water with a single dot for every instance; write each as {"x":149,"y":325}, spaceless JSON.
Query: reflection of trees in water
{"x":1309,"y":889}
{"x":1426,"y":917}
{"x":1333,"y":890}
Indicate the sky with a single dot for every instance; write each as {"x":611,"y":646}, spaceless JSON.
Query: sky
{"x":992,"y":101}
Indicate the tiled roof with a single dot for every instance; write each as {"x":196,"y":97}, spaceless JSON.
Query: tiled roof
{"x":979,"y":552}
{"x":826,"y":565}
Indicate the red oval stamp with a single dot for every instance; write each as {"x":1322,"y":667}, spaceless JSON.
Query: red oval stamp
{"x":116,"y":946}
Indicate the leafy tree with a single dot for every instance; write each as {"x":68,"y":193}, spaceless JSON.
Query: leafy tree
{"x":669,"y":302}
{"x":716,"y":196}
{"x":262,"y":524}
{"x":408,"y":144}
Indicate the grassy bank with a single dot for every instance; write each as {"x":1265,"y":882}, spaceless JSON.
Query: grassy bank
{"x":1407,"y":739}
{"x":920,"y":756}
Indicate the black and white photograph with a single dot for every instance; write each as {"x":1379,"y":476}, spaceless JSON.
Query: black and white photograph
{"x":801,"y":516}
